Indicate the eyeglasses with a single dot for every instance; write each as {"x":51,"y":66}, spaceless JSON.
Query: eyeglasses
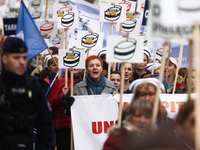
{"x":145,"y":94}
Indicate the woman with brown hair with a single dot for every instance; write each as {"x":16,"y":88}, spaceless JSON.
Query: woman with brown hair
{"x":147,"y":90}
{"x":171,"y":74}
{"x":136,"y":124}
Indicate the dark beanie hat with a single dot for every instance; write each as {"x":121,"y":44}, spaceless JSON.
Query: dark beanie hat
{"x":14,"y":45}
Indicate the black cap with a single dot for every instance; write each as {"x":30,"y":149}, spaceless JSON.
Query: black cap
{"x":14,"y":45}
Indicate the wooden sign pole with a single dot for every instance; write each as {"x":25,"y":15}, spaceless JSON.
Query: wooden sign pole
{"x":179,"y":62}
{"x":121,"y":94}
{"x":167,"y":65}
{"x":121,"y":90}
{"x":37,"y":64}
{"x":156,"y":103}
{"x":189,"y":75}
{"x":197,"y":101}
{"x":109,"y":64}
{"x":72,"y":94}
{"x":46,"y":11}
{"x":52,"y":57}
{"x":154,"y":58}
{"x":62,"y":43}
{"x":120,"y":29}
{"x":66,"y":47}
{"x":88,"y":49}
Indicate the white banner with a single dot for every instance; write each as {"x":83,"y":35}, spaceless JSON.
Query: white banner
{"x":92,"y":116}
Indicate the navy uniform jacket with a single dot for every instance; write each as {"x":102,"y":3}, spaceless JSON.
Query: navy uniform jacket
{"x":43,"y":115}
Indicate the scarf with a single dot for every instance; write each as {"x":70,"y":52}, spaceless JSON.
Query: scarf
{"x":98,"y":86}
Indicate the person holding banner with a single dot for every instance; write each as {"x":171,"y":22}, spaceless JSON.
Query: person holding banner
{"x":136,"y":124}
{"x":171,"y":76}
{"x":62,"y":123}
{"x":95,"y":83}
{"x":140,"y":68}
{"x":185,"y":123}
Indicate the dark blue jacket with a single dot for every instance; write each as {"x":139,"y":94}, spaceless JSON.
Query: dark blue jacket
{"x":42,"y":111}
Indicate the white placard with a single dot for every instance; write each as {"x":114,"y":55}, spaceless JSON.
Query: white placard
{"x":140,"y":6}
{"x":36,"y":4}
{"x":115,"y":13}
{"x":92,"y":125}
{"x":148,"y":41}
{"x":130,"y":6}
{"x":92,"y":115}
{"x":46,"y":28}
{"x":56,"y":40}
{"x":75,"y":59}
{"x":90,"y":40}
{"x":131,"y":25}
{"x":36,"y":14}
{"x":60,"y":7}
{"x":68,"y":19}
{"x":160,"y":30}
{"x":120,"y":49}
{"x":182,"y":12}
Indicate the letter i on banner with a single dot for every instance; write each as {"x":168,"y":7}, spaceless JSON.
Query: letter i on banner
{"x":156,"y":103}
{"x":197,"y":101}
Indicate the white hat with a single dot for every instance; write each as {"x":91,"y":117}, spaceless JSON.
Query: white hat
{"x":150,"y":66}
{"x":158,"y":57}
{"x":173,"y":60}
{"x":154,"y":81}
{"x":47,"y":58}
{"x":147,"y":52}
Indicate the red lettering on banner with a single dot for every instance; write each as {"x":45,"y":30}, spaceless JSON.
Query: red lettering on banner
{"x":172,"y":106}
{"x":165,"y":104}
{"x":124,"y":103}
{"x":97,"y":129}
{"x":180,"y":104}
{"x":107,"y":125}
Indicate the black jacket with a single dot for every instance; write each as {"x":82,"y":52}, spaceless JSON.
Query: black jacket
{"x":40,"y":112}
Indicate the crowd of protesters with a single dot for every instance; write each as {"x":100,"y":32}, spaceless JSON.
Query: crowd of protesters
{"x":141,"y":79}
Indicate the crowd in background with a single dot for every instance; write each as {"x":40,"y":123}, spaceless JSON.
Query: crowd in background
{"x":141,"y":79}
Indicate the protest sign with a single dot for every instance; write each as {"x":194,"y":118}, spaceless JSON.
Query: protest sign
{"x":75,"y":59}
{"x":92,"y":116}
{"x":10,"y":26}
{"x":120,"y":49}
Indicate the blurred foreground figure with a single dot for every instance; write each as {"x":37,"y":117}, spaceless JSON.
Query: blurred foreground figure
{"x":185,"y":123}
{"x":157,"y":140}
{"x":22,"y":103}
{"x":136,"y":124}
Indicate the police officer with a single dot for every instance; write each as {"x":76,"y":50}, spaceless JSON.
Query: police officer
{"x":22,"y":103}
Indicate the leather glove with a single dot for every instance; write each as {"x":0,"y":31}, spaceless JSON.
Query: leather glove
{"x":67,"y":102}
